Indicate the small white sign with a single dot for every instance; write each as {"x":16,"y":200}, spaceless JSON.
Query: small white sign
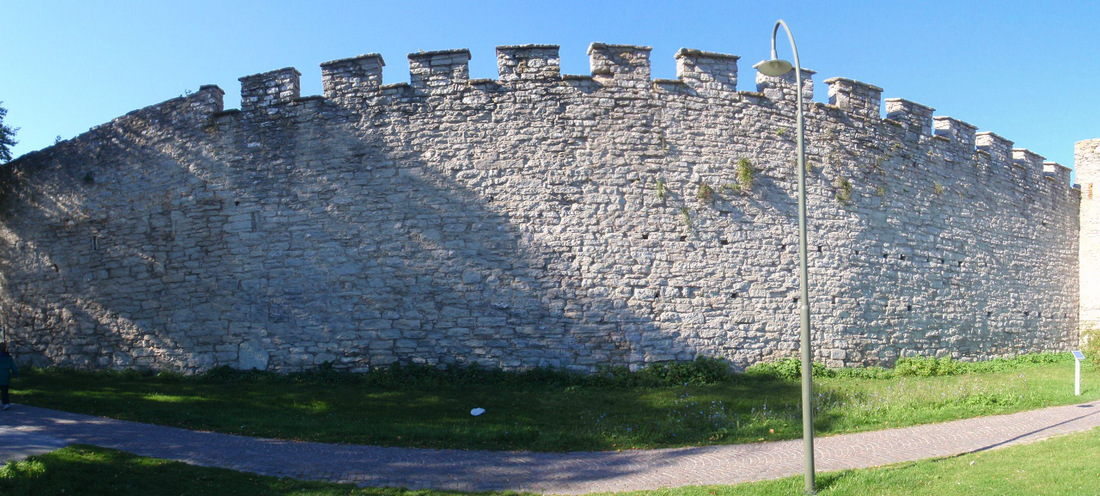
{"x":1078,"y":355}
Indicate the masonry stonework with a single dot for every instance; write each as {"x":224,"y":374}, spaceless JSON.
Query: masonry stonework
{"x":538,"y":219}
{"x":1087,"y":158}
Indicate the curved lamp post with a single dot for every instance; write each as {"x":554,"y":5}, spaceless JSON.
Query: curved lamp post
{"x":776,"y":67}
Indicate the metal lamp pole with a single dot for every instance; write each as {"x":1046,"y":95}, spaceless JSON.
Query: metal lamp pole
{"x":776,"y":67}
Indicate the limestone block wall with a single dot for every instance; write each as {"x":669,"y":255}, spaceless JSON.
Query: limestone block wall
{"x":1087,"y":158}
{"x":538,"y":219}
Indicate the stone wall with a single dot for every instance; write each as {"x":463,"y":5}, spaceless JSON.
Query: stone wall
{"x":539,"y":219}
{"x":1087,"y":158}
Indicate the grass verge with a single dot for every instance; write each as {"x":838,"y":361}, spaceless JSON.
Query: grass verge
{"x":551,"y":411}
{"x":1063,"y":465}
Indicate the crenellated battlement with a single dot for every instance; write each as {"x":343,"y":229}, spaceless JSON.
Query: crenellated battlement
{"x":538,"y":219}
{"x":269,"y":90}
{"x":357,"y":81}
{"x":622,"y":65}
{"x":528,"y":62}
{"x":1029,"y":161}
{"x":854,"y":97}
{"x":916,"y":118}
{"x":436,"y":72}
{"x":352,"y":79}
{"x":707,"y":73}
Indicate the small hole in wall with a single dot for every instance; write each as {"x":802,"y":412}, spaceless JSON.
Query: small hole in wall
{"x":95,"y":243}
{"x":683,"y":238}
{"x":1027,"y":313}
{"x":885,"y":256}
{"x":909,"y":307}
{"x":645,"y":235}
{"x":834,"y":300}
{"x":733,"y":296}
{"x":782,"y":247}
{"x":960,"y":263}
{"x":1039,"y":315}
{"x":795,"y":299}
{"x":942,"y":260}
{"x":857,"y":252}
{"x":236,"y":203}
{"x":56,"y":268}
{"x":901,"y":257}
{"x":820,"y":248}
{"x":989,"y":313}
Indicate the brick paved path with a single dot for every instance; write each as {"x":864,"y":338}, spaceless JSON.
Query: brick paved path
{"x":26,"y":430}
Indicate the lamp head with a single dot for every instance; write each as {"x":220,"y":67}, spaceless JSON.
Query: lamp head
{"x":773,"y":67}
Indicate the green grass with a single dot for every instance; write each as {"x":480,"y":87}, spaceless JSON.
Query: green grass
{"x":90,"y":470}
{"x":1063,"y":465}
{"x":677,"y":405}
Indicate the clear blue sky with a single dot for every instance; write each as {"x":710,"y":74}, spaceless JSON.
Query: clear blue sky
{"x":1027,"y":71}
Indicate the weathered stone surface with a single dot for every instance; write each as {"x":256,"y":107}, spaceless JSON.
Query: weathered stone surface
{"x":251,"y":355}
{"x":1087,"y":158}
{"x":537,"y":220}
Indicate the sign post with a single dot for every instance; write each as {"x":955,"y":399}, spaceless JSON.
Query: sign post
{"x":1077,"y":357}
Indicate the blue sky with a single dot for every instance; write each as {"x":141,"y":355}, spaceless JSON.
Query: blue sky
{"x":1026,"y":71}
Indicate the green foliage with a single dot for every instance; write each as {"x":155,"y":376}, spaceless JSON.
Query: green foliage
{"x":937,"y":188}
{"x":7,"y":137}
{"x":1090,"y":343}
{"x":844,"y":191}
{"x":662,"y":190}
{"x":685,"y":214}
{"x":705,"y":194}
{"x":91,"y":470}
{"x":745,"y":173}
{"x":928,"y":367}
{"x":789,"y":369}
{"x":781,"y":132}
{"x":701,"y":371}
{"x":931,"y":367}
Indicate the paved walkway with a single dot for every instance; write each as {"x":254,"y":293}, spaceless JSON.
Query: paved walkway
{"x":27,"y":430}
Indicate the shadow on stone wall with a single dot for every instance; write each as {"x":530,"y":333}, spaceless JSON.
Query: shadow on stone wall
{"x":319,"y":244}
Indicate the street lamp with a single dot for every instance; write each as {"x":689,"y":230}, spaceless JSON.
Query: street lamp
{"x":776,"y":67}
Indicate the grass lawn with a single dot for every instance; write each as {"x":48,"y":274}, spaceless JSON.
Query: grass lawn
{"x":546,"y":411}
{"x":1063,"y":465}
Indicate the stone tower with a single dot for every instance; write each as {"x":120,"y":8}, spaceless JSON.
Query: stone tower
{"x":1087,"y":158}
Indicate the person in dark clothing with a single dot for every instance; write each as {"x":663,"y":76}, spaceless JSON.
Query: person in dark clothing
{"x":7,"y":371}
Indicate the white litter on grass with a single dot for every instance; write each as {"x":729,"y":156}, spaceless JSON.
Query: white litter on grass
{"x":477,"y":411}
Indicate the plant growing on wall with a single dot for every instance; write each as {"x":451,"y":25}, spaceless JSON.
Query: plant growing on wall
{"x":662,"y":190}
{"x":706,"y":193}
{"x":744,"y":174}
{"x":686,"y":214}
{"x":844,"y":191}
{"x":937,"y":188}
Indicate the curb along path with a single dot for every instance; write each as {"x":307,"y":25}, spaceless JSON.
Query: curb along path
{"x":27,"y":430}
